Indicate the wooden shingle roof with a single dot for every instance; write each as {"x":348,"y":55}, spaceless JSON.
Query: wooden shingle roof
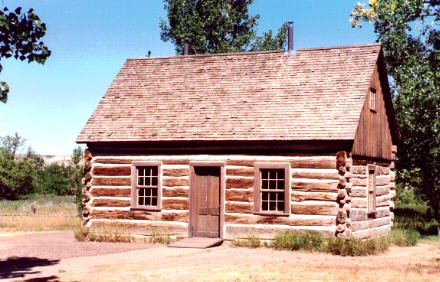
{"x":311,"y":94}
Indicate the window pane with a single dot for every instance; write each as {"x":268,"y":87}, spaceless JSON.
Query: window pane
{"x":147,"y":181}
{"x":154,"y":192}
{"x":281,"y":174}
{"x":265,"y":184}
{"x":272,"y":184}
{"x":281,"y":206}
{"x":154,"y":181}
{"x":264,"y":174}
{"x":265,"y":196}
{"x":140,"y":201}
{"x":141,"y":192}
{"x":272,"y":206}
{"x":273,"y":174}
{"x":154,"y":202}
{"x":264,"y":206}
{"x":140,"y":181}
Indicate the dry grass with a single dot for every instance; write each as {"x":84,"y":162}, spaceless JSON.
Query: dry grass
{"x":51,"y":213}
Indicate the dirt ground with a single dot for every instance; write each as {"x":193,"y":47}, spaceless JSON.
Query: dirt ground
{"x":57,"y":256}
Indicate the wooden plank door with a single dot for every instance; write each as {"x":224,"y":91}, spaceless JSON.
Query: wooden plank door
{"x":207,"y":202}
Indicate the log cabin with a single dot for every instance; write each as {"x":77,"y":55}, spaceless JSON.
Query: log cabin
{"x":228,"y":145}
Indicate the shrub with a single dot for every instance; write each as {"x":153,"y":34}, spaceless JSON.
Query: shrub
{"x":156,"y":237}
{"x":356,"y":247}
{"x":416,"y":217}
{"x":82,"y":233}
{"x":250,"y":242}
{"x":307,"y":240}
{"x":404,"y":237}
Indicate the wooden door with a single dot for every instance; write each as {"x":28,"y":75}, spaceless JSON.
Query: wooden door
{"x":206,"y":202}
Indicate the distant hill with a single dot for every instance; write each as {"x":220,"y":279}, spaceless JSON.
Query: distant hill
{"x":52,"y":159}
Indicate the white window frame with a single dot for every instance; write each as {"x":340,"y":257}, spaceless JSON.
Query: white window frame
{"x":134,"y":185}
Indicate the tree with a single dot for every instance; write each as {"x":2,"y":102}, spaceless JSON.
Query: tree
{"x":20,"y":35}
{"x":213,"y":26}
{"x":409,"y":31}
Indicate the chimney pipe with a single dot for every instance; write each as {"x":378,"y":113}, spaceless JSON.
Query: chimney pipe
{"x":186,"y":47}
{"x":290,"y":37}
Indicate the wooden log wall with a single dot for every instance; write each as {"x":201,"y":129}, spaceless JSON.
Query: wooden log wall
{"x":363,"y":224}
{"x":315,"y":194}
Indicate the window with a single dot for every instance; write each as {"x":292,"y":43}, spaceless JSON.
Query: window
{"x":146,"y":185}
{"x":371,"y":188}
{"x":373,"y":99}
{"x":272,"y":188}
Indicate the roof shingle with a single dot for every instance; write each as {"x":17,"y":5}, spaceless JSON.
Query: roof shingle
{"x":311,"y":94}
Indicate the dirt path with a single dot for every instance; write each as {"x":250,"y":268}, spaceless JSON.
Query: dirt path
{"x":224,"y":263}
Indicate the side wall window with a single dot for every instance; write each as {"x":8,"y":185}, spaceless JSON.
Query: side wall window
{"x":272,"y":188}
{"x":371,"y":188}
{"x":146,"y":185}
{"x":373,"y":99}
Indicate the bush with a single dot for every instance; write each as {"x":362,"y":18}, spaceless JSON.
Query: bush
{"x":160,"y":238}
{"x":404,"y":237}
{"x":250,"y":242}
{"x":356,"y":247}
{"x":416,"y":217}
{"x":307,"y":240}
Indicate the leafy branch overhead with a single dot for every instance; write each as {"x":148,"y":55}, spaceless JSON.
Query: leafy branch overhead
{"x":409,"y":31}
{"x":20,"y":35}
{"x":213,"y":26}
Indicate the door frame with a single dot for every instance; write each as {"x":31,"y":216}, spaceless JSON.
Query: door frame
{"x":192,"y":203}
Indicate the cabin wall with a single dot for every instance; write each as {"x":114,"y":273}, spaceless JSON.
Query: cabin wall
{"x":364,"y":225}
{"x":373,"y":135}
{"x":314,"y":194}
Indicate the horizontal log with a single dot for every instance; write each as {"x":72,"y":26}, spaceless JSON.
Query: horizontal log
{"x":239,"y":182}
{"x":372,"y":232}
{"x":321,"y":186}
{"x":175,"y":192}
{"x":239,"y":195}
{"x":302,"y":162}
{"x":174,"y":216}
{"x":358,"y":191}
{"x":130,"y":160}
{"x":358,"y":202}
{"x":175,"y":204}
{"x":359,"y":170}
{"x":114,"y":181}
{"x":382,"y":180}
{"x":356,"y":181}
{"x":382,"y":190}
{"x":112,"y":171}
{"x":267,"y":231}
{"x":175,"y":182}
{"x":237,"y":207}
{"x":125,"y":214}
{"x":105,"y":202}
{"x":176,"y":172}
{"x":241,"y":171}
{"x":360,"y":214}
{"x":291,"y":221}
{"x":315,"y":173}
{"x":310,"y":196}
{"x":360,"y":225}
{"x":110,"y":191}
{"x":314,"y":209}
{"x":144,"y":227}
{"x":113,"y":161}
{"x":392,"y":176}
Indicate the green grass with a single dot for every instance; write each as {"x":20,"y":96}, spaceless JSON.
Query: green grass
{"x":113,"y":235}
{"x":51,"y":213}
{"x":250,"y":242}
{"x":313,"y":241}
{"x":416,"y":217}
{"x":307,"y":240}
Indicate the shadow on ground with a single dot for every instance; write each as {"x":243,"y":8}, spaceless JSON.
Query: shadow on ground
{"x":15,"y":267}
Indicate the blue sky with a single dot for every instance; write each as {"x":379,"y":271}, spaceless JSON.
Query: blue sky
{"x":49,"y":104}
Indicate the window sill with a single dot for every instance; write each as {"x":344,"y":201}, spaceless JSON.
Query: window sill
{"x":271,"y":213}
{"x":145,"y":209}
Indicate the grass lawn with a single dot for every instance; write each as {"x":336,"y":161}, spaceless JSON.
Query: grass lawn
{"x":51,"y":213}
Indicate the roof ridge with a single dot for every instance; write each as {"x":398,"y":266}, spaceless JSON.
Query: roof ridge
{"x":210,"y":55}
{"x":339,"y":47}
